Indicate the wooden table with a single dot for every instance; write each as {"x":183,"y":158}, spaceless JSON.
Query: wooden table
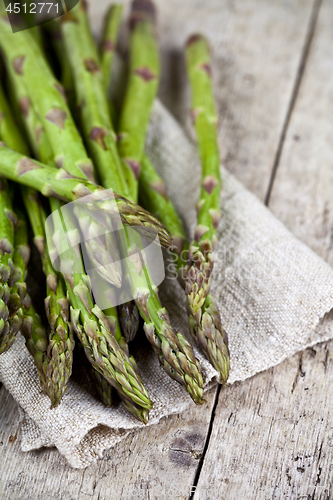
{"x":271,"y":436}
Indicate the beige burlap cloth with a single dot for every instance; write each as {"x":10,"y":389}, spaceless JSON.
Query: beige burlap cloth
{"x":274,"y":295}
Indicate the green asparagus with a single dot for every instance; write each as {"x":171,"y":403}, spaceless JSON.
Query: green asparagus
{"x":109,"y":41}
{"x":10,"y":271}
{"x":95,"y":118}
{"x":128,"y":311}
{"x":61,"y":341}
{"x":8,"y":326}
{"x":174,"y":351}
{"x":18,"y":300}
{"x":140,"y":91}
{"x":36,"y":341}
{"x":91,"y":98}
{"x":56,"y":367}
{"x":125,"y":378}
{"x":26,"y":57}
{"x":60,"y":184}
{"x":200,"y":259}
{"x":206,"y":326}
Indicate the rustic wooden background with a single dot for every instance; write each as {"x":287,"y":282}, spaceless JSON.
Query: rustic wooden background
{"x":271,"y":436}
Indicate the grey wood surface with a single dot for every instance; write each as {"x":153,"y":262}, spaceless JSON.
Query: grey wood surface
{"x":271,"y":436}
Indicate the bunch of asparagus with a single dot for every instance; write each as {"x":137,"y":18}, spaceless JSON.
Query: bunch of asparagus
{"x":42,"y":150}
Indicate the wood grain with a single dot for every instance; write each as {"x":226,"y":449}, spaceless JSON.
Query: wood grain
{"x":272,"y":436}
{"x":160,"y":460}
{"x":302,"y":195}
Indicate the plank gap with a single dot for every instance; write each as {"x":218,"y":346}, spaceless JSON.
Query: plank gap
{"x":298,"y":79}
{"x":202,"y":458}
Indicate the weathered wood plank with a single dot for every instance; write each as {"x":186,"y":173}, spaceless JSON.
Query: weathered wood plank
{"x":257,"y":47}
{"x":272,"y":436}
{"x":154,"y":463}
{"x":302,"y":192}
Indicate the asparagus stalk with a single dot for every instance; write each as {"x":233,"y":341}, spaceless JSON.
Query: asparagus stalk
{"x":88,"y":81}
{"x":95,"y":121}
{"x":18,"y":299}
{"x":8,"y":326}
{"x":91,"y":99}
{"x":10,"y":260}
{"x":32,"y":125}
{"x":174,"y":351}
{"x":60,"y":184}
{"x":109,"y":41}
{"x":61,"y":340}
{"x":200,"y":259}
{"x":208,"y":330}
{"x":54,"y":34}
{"x":26,"y":57}
{"x":128,"y":312}
{"x":117,"y":369}
{"x":140,"y":92}
{"x":30,"y":322}
{"x":55,"y":364}
{"x":36,"y":341}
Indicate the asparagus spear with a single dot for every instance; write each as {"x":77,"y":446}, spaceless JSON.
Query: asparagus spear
{"x":37,"y":342}
{"x":109,"y":41}
{"x":8,"y":326}
{"x":174,"y":351}
{"x":206,"y":326}
{"x":96,"y":123}
{"x":31,"y":326}
{"x":59,"y":183}
{"x":10,"y":271}
{"x":95,"y":120}
{"x":61,"y":341}
{"x":54,"y":34}
{"x":88,"y":81}
{"x":53,"y":359}
{"x":128,"y":312}
{"x":126,"y":380}
{"x":56,"y":366}
{"x":140,"y":92}
{"x":200,"y":259}
{"x":24,"y":54}
{"x":18,"y":299}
